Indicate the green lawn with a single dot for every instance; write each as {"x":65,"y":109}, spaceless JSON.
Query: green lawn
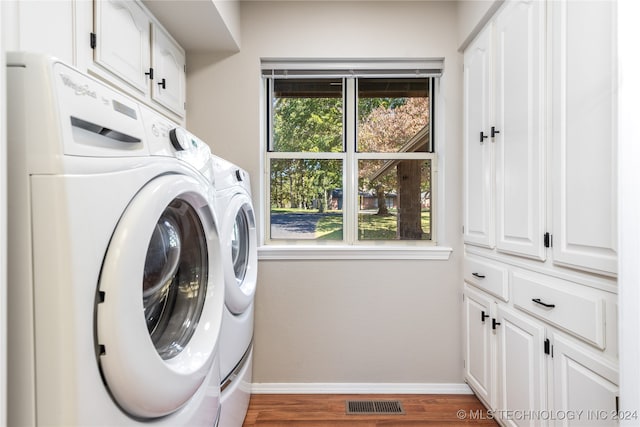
{"x":329,"y":227}
{"x":370,"y":226}
{"x":374,"y":227}
{"x":295,"y":210}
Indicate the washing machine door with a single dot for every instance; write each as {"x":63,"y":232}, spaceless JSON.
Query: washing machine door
{"x":160,"y":298}
{"x":239,"y":253}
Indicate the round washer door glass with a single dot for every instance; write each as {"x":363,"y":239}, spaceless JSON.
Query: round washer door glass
{"x":240,"y":245}
{"x":239,"y":253}
{"x":175,"y":278}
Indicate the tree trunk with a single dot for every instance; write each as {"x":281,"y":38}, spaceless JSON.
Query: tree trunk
{"x":382,"y":204}
{"x":292,"y":196}
{"x":409,"y":206}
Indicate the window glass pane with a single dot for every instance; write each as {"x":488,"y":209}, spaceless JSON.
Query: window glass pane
{"x":393,"y":115}
{"x":394,"y":199}
{"x":306,"y":199}
{"x":307,"y":115}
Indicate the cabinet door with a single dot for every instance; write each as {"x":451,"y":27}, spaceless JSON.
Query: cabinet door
{"x":122,"y":41}
{"x":521,"y":365}
{"x":168,"y":62}
{"x":584,"y":133}
{"x":519,"y":124}
{"x":45,"y":26}
{"x":479,"y":351}
{"x":583,"y":383}
{"x":478,"y":152}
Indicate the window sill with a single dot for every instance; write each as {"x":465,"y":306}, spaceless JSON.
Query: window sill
{"x":299,"y":252}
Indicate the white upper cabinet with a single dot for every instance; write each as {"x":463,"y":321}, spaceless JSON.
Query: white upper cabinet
{"x":518,"y":128}
{"x":584,"y":134}
{"x":44,"y":26}
{"x":478,"y":151}
{"x":133,"y":51}
{"x":504,"y":132}
{"x":540,"y":95}
{"x":122,"y":41}
{"x":168,"y":61}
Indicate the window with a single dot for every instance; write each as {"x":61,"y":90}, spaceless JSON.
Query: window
{"x":350,"y":155}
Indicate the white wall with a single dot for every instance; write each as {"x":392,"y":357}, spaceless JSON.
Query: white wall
{"x":472,"y":15}
{"x":3,"y":232}
{"x":342,"y":321}
{"x":230,"y":12}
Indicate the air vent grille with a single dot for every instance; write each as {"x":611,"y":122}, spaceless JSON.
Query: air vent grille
{"x":379,"y":407}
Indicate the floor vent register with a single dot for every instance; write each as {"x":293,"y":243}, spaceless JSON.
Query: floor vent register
{"x":374,"y":407}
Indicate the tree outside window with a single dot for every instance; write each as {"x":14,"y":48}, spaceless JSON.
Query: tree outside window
{"x":311,"y":156}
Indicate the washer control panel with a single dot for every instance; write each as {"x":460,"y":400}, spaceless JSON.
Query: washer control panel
{"x":183,"y":140}
{"x":98,"y":121}
{"x":166,"y":138}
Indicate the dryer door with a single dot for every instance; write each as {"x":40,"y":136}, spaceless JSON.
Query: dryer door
{"x":239,"y":253}
{"x":160,"y":298}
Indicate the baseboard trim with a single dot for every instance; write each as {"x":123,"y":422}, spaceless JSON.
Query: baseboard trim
{"x":360,"y":388}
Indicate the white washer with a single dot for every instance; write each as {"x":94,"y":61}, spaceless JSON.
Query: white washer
{"x":116,"y":287}
{"x":239,"y":254}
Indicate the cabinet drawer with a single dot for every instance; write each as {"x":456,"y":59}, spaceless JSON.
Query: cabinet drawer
{"x":487,"y":276}
{"x":576,"y":309}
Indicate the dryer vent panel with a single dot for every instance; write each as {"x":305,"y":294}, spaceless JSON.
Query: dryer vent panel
{"x":374,"y":407}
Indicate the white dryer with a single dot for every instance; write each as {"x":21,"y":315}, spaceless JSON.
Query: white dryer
{"x":116,"y":286}
{"x":239,"y":254}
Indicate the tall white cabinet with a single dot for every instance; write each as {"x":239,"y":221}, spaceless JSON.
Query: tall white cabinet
{"x":504,"y":132}
{"x":519,"y":119}
{"x":583,"y":134}
{"x":540,"y":296}
{"x":479,"y":176}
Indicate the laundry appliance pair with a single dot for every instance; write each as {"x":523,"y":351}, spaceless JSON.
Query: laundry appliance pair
{"x":116,"y":290}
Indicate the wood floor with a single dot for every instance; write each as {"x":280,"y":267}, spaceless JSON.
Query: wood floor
{"x":329,"y":411}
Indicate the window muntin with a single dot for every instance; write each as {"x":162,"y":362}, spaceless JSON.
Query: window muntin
{"x":338,"y":213}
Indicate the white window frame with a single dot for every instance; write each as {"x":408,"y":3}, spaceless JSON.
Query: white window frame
{"x":350,"y":247}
